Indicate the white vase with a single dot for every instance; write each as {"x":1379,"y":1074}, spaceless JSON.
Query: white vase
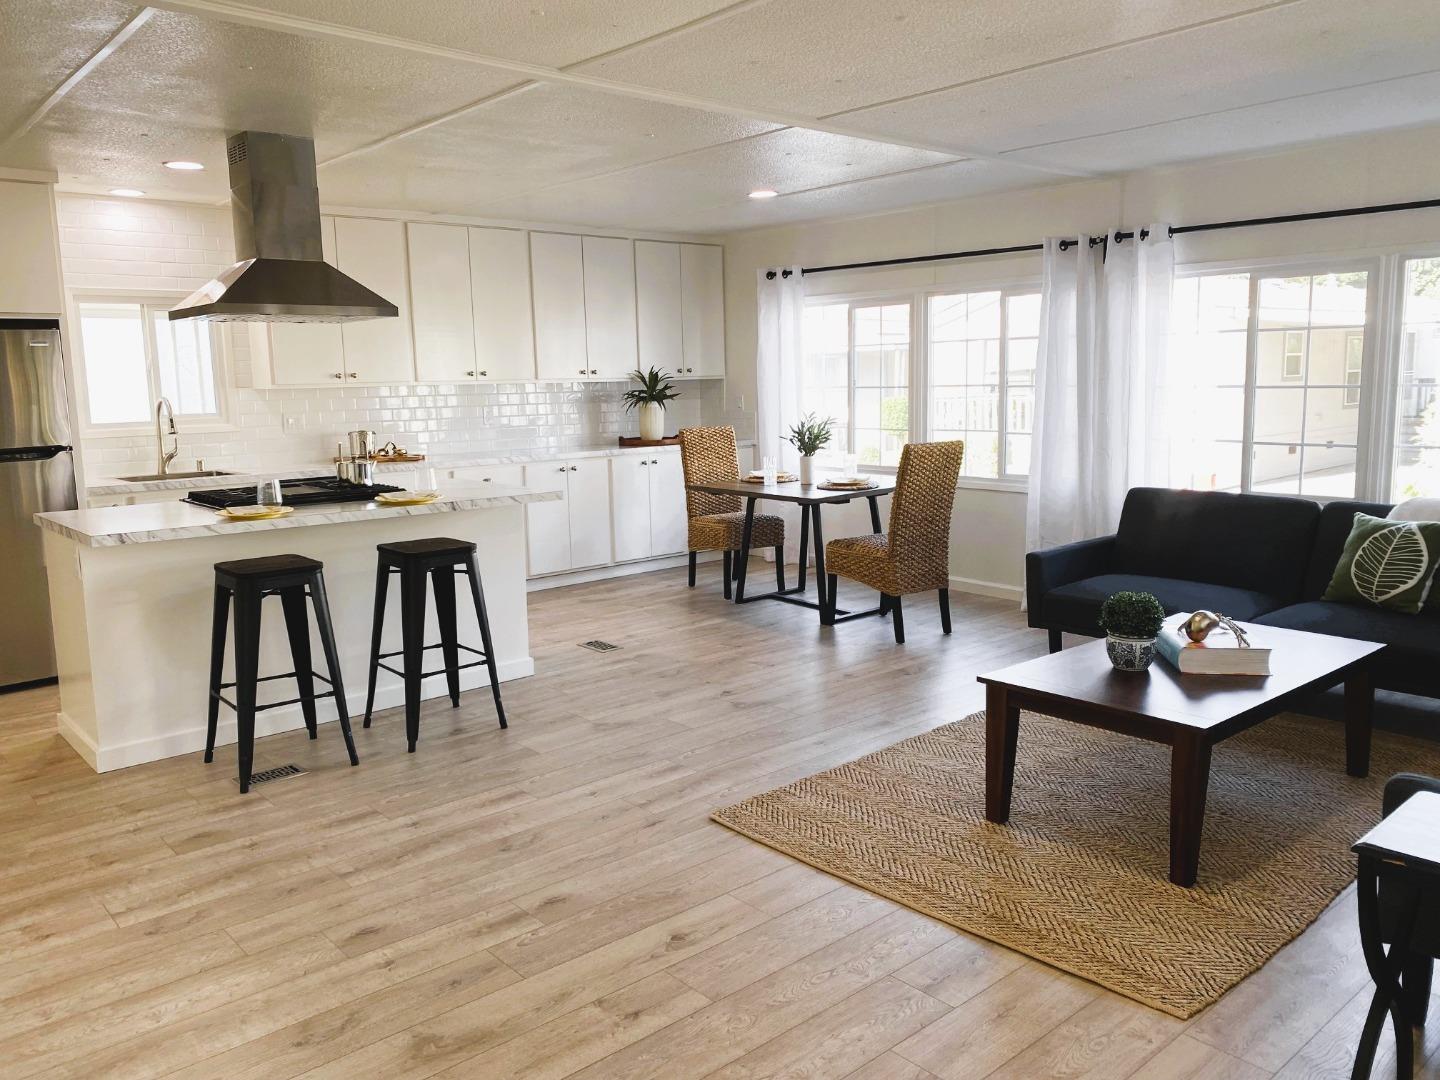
{"x":652,"y":421}
{"x":807,"y":470}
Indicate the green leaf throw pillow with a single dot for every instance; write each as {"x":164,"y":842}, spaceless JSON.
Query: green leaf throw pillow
{"x":1387,"y":564}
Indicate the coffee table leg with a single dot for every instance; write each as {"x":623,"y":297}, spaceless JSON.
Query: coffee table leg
{"x":1002,"y":731}
{"x":1189,"y":782}
{"x":1359,"y":700}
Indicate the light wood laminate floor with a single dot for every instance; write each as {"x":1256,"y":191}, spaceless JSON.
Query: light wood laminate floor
{"x":551,"y":901}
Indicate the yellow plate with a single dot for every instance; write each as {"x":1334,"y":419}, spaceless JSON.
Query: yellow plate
{"x":406,"y":498}
{"x":255,"y":513}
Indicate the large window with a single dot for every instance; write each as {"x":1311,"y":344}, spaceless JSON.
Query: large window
{"x":981,"y":367}
{"x":857,"y":372}
{"x":1417,"y":425}
{"x":1273,"y":366}
{"x":132,"y":354}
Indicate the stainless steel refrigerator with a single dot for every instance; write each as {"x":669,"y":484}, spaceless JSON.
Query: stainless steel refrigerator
{"x":37,"y":472}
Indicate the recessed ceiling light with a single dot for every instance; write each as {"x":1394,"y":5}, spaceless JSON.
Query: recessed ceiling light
{"x":183,"y":166}
{"x":763,"y":193}
{"x":127,"y":192}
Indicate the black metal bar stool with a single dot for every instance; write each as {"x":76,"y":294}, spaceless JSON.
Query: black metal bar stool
{"x":247,"y":582}
{"x":441,"y":559}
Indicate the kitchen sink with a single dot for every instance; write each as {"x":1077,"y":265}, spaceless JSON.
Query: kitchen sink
{"x":174,"y":476}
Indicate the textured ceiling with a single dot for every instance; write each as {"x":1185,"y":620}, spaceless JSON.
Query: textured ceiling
{"x":662,"y":114}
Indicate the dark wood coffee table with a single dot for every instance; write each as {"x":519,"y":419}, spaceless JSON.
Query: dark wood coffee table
{"x":1190,"y":713}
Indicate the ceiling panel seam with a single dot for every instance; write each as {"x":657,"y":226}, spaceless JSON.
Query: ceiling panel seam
{"x":113,"y":42}
{"x":230,"y":12}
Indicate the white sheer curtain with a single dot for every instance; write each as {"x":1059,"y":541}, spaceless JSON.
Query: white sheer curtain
{"x":1102,"y":401}
{"x":779,"y":352}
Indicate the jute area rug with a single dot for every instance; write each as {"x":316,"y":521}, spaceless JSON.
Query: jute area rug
{"x":1078,"y":878}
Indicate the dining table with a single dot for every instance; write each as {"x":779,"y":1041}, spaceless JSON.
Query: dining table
{"x":810,"y":498}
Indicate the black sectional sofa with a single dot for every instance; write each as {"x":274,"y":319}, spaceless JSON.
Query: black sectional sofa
{"x":1259,"y":558}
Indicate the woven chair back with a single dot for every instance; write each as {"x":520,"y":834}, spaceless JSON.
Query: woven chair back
{"x":920,"y":508}
{"x":708,"y":456}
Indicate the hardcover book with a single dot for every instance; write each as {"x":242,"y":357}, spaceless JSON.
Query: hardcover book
{"x":1218,"y":654}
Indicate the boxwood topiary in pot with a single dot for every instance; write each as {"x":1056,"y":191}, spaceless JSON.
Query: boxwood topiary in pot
{"x":1131,"y":621}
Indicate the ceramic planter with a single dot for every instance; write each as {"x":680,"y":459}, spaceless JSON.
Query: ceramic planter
{"x":1130,"y":654}
{"x":807,"y":470}
{"x":652,"y":421}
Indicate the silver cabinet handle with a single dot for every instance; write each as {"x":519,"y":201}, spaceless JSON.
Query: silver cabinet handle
{"x":486,"y":479}
{"x":574,"y":468}
{"x":484,"y":373}
{"x":644,"y":462}
{"x":594,"y":372}
{"x":583,"y":371}
{"x":354,"y":375}
{"x":561,"y":469}
{"x":338,"y":375}
{"x":471,"y":374}
{"x":655,"y":461}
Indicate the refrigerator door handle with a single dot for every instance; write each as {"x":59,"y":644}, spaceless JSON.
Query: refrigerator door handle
{"x":33,"y":453}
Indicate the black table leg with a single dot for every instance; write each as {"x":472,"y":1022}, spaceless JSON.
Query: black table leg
{"x":804,"y":543}
{"x":744,"y":553}
{"x":874,"y":501}
{"x":1385,"y":971}
{"x":1359,"y":702}
{"x":820,"y":588}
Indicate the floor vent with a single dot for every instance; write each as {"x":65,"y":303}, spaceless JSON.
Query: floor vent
{"x":599,"y":646}
{"x":280,"y":772}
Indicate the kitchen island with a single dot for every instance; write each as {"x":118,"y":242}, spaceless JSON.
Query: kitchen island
{"x":131,"y":589}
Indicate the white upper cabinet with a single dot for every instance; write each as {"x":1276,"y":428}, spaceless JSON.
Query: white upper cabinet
{"x":557,"y":272}
{"x":373,"y":253}
{"x":702,"y":302}
{"x":440,"y":290}
{"x":609,"y":271}
{"x":500,"y":301}
{"x":657,"y":304}
{"x":306,"y":354}
{"x":30,"y":268}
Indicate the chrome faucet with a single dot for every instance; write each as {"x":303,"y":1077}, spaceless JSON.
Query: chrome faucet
{"x":163,"y":459}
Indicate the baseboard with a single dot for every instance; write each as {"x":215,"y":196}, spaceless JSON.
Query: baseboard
{"x":988,"y":588}
{"x":272,"y":722}
{"x":603,"y":573}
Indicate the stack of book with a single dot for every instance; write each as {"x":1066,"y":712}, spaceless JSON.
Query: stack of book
{"x":1218,"y":654}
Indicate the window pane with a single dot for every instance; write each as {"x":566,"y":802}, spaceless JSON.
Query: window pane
{"x":116,"y":384}
{"x":1279,"y":415}
{"x":1275,"y":470}
{"x":1329,"y":419}
{"x":1206,"y":465}
{"x":1417,"y":425}
{"x":1023,"y":315}
{"x":1329,"y":470}
{"x":1284,"y":302}
{"x":186,"y":368}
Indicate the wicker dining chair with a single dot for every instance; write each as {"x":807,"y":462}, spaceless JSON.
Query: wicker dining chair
{"x":914,"y":556}
{"x":717,"y":522}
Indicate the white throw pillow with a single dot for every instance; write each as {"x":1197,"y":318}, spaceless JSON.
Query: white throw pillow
{"x":1416,"y":510}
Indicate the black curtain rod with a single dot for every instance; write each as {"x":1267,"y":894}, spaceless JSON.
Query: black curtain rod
{"x":1120,"y":236}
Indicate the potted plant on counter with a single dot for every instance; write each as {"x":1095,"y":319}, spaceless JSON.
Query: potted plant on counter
{"x":809,"y":437}
{"x":649,"y":397}
{"x":1131,"y":621}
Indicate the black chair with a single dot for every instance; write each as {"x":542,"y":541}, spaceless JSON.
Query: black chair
{"x":247,"y":582}
{"x":440,"y":559}
{"x":1397,"y":894}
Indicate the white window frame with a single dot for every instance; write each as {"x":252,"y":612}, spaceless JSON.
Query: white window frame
{"x":851,"y":302}
{"x":1012,"y":287}
{"x":219,"y":352}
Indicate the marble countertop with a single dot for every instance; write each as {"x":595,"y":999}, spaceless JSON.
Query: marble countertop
{"x":102,"y":486}
{"x":113,"y":526}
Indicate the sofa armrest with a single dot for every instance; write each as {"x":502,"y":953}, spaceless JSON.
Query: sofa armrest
{"x":1046,"y":570}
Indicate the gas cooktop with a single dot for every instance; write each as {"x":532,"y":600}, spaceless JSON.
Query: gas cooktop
{"x":321,"y":489}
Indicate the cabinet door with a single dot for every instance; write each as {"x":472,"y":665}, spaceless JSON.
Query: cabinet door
{"x":610,"y":305}
{"x":30,"y":281}
{"x":630,"y":488}
{"x":440,"y":302}
{"x":589,"y":512}
{"x":669,"y":527}
{"x":558,"y":281}
{"x":702,"y":294}
{"x":657,"y":305}
{"x":373,"y":253}
{"x":547,"y":524}
{"x":309,"y":354}
{"x":500,"y":299}
{"x":507,"y":475}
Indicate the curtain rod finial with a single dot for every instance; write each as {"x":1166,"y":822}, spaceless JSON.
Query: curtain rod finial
{"x":769,"y":275}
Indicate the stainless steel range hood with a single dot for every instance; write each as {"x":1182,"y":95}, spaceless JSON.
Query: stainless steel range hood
{"x":281,"y":274}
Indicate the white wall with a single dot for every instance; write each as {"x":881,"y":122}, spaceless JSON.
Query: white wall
{"x":987,"y":540}
{"x":142,"y":246}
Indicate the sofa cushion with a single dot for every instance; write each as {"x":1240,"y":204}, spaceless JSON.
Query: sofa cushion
{"x":1251,"y":542}
{"x":1076,"y":607}
{"x":1386,"y":564}
{"x":1411,"y":661}
{"x":1336,"y":519}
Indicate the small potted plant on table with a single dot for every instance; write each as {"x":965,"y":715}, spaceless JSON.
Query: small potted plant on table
{"x":1131,"y":621}
{"x":649,"y":397}
{"x":810,"y":436}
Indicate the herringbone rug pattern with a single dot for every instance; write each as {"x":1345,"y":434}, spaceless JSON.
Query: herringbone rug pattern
{"x":1078,"y":877}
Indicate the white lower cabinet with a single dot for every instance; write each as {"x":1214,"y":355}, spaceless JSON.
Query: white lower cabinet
{"x":649,"y":505}
{"x":573,"y":533}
